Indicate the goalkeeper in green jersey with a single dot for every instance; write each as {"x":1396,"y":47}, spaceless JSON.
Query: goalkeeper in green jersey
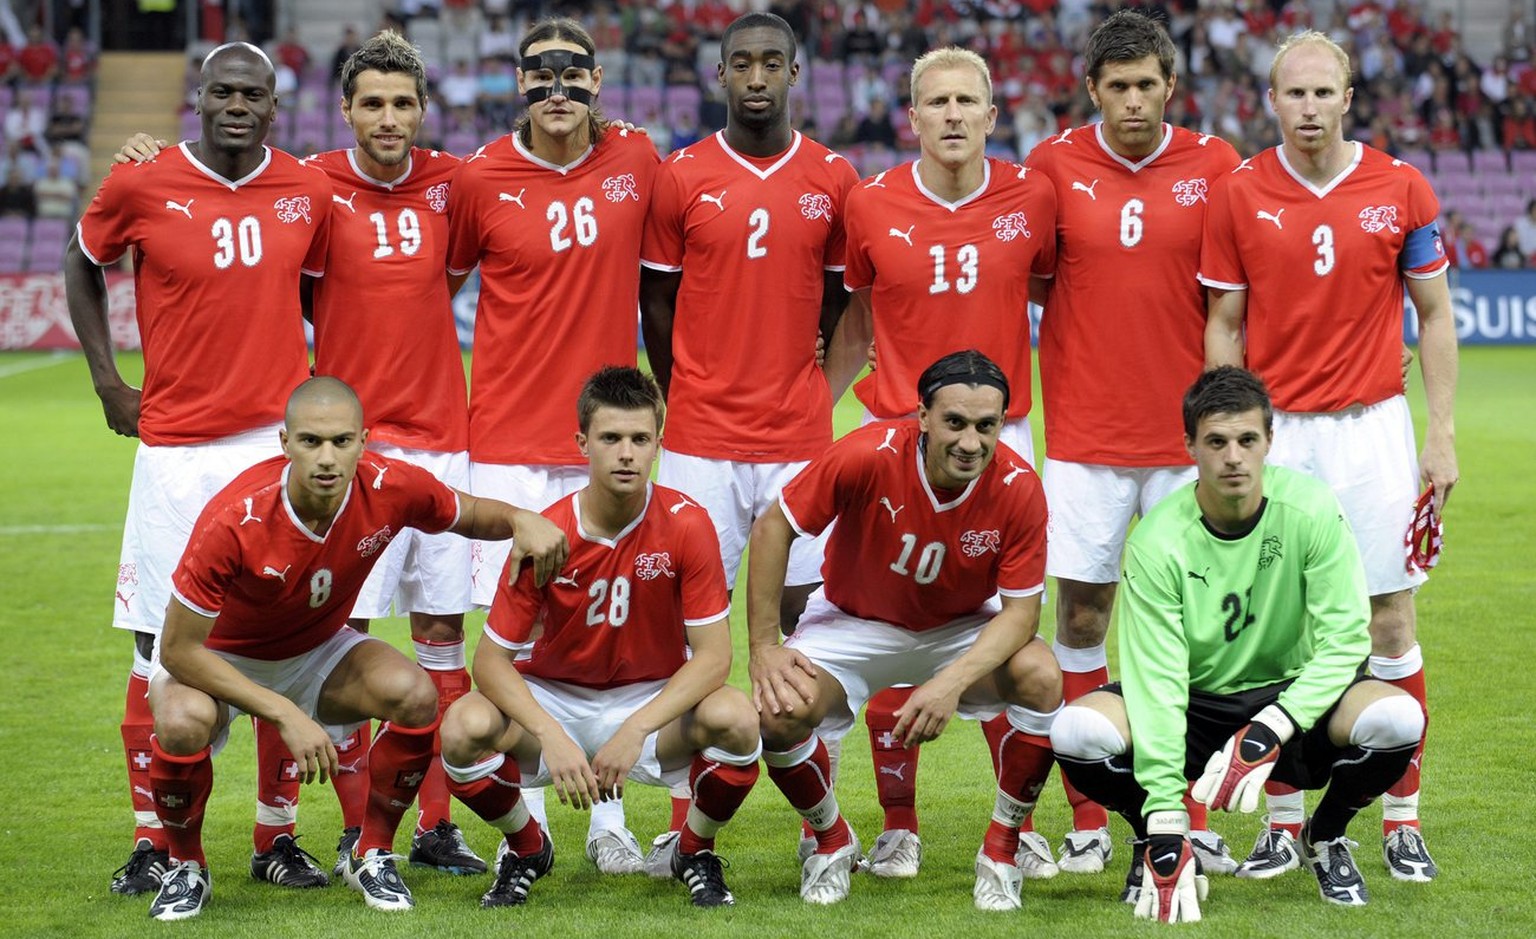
{"x":1243,"y":631}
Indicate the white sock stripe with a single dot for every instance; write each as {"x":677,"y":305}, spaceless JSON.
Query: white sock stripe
{"x":474,"y":771}
{"x":1080,"y":661}
{"x":720,"y":755}
{"x":702,"y":825}
{"x":1389,"y":723}
{"x":1388,"y":668}
{"x":439,"y":656}
{"x":1029,"y":721}
{"x":794,"y":756}
{"x":146,"y":820}
{"x":1085,"y":735}
{"x":276,"y":816}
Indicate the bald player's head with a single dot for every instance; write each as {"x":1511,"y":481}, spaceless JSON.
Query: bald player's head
{"x":323,"y":391}
{"x":236,"y":51}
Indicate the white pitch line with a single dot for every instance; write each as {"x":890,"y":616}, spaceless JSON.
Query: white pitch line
{"x":21,"y":368}
{"x":55,"y":529}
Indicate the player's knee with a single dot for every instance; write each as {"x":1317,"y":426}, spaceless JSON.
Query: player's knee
{"x":1388,"y":723}
{"x":184,"y":723}
{"x":470,"y":728}
{"x":1034,"y":677}
{"x":1083,"y":619}
{"x":728,"y":721}
{"x":411,"y":698}
{"x":782,"y":731}
{"x":1085,"y":734}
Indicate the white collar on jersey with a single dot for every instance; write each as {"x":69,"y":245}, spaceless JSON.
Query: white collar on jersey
{"x":751,"y":167}
{"x":1098,"y":134}
{"x":933,"y":498}
{"x":613,"y":542}
{"x":1332,"y":183}
{"x":410,"y":165}
{"x":298,"y":523}
{"x":986,"y":180}
{"x":517,"y":144}
{"x":266,"y":160}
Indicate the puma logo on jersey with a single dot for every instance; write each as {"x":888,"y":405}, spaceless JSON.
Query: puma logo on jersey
{"x":903,"y":235}
{"x":1200,"y":577}
{"x":717,"y":201}
{"x":1023,"y":172}
{"x":1077,"y":186}
{"x":568,"y":581}
{"x":1017,"y":469}
{"x":282,"y":575}
{"x":379,"y":471}
{"x":876,"y":183}
{"x":346,"y":202}
{"x":183,"y":209}
{"x":479,"y":154}
{"x":1265,"y":216}
{"x":683,"y":504}
{"x":250,"y":514}
{"x":1066,"y":137}
{"x":1245,"y":165}
{"x":833,"y":156}
{"x":1204,"y":139}
{"x":681,"y":155}
{"x":890,"y":508}
{"x":890,"y":434}
{"x":503,"y":197}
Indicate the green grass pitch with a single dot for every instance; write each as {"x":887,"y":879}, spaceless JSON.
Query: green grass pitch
{"x":63,"y":486}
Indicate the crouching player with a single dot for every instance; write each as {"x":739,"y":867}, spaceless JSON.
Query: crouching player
{"x":611,"y":691}
{"x":935,"y":520}
{"x":257,"y":623}
{"x":1243,"y":630}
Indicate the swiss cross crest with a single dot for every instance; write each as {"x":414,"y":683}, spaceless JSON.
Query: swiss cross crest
{"x":437,"y":198}
{"x":292,"y":208}
{"x":973,"y":544}
{"x":1188,"y":192}
{"x":374,"y":543}
{"x":288,"y":770}
{"x":815,"y":205}
{"x":1011,"y":226}
{"x":127,"y":574}
{"x":621,"y":187}
{"x":654,"y":565}
{"x":1375,"y":218}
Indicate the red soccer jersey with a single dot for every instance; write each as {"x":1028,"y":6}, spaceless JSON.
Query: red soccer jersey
{"x":905,"y":553}
{"x":616,"y":614}
{"x":948,"y":276}
{"x":216,"y":275}
{"x":559,"y":255}
{"x":1324,"y":272}
{"x":383,"y":317}
{"x":1124,"y":311}
{"x":277,"y":588}
{"x":753,"y":239}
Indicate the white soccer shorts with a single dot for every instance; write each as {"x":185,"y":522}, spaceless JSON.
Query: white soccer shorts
{"x":1091,"y":510}
{"x":734,"y":494}
{"x":591,"y":716}
{"x":418,"y":572}
{"x":300,"y":679}
{"x":1367,"y":456}
{"x":532,"y":487}
{"x":170,"y":488}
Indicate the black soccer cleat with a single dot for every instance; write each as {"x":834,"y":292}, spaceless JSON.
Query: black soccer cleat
{"x":1338,"y":876}
{"x":703,"y":874}
{"x":515,"y":874}
{"x":344,"y":849}
{"x":288,"y":865}
{"x":443,"y":848}
{"x":1137,"y":874}
{"x":142,"y":873}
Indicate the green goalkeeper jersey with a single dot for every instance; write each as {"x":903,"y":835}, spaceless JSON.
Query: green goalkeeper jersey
{"x":1227,"y":613}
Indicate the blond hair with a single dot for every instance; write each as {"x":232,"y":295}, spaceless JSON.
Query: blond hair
{"x":1311,"y":37}
{"x":951,"y":57}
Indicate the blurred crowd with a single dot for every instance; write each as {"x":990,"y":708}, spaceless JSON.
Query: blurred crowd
{"x":45,"y":93}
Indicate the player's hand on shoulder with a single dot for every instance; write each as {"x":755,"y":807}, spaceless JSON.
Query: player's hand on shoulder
{"x":140,"y":148}
{"x":536,"y":538}
{"x":783,"y":680}
{"x":120,"y":403}
{"x":310,"y":745}
{"x":615,"y":759}
{"x":927,"y":712}
{"x":570,"y":774}
{"x":1173,"y":886}
{"x":632,"y":128}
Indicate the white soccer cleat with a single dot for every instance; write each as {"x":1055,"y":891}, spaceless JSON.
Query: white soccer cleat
{"x":615,"y":851}
{"x":658,"y":860}
{"x":1086,"y":852}
{"x":824,"y":877}
{"x":1407,"y":856}
{"x":898,"y":853}
{"x":1273,"y":854}
{"x":184,"y":891}
{"x":998,"y":885}
{"x":377,"y":879}
{"x":1034,"y":857}
{"x":1211,"y":851}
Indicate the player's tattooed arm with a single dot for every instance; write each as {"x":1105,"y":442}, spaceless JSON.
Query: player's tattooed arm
{"x":85,"y":289}
{"x":1438,"y":365}
{"x":1224,"y":314}
{"x":782,"y":679}
{"x":658,"y":306}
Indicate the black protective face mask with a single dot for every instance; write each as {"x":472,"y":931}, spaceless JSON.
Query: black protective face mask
{"x":557,"y":61}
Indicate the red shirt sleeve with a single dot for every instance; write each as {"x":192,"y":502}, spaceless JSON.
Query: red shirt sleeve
{"x":1022,"y":569}
{"x":515,"y":609}
{"x":835,"y":254}
{"x":109,"y":225}
{"x":1042,"y":222}
{"x":320,"y":240}
{"x":814,"y":497}
{"x":860,"y":270}
{"x":662,"y":246}
{"x":434,"y":505}
{"x":1220,"y":264}
{"x":705,"y":597}
{"x":210,"y":563}
{"x":463,"y":222}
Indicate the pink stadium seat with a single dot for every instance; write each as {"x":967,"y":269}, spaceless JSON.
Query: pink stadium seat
{"x":1489,"y":161}
{"x":681,"y":100}
{"x":1419,"y":159}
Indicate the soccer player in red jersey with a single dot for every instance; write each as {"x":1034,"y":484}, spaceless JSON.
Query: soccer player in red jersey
{"x":220,"y":229}
{"x":1308,"y":249}
{"x":612,"y":691}
{"x":941,"y":252}
{"x":257,"y":623}
{"x":934,"y":576}
{"x":1131,"y":196}
{"x":553,"y":213}
{"x":755,"y":213}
